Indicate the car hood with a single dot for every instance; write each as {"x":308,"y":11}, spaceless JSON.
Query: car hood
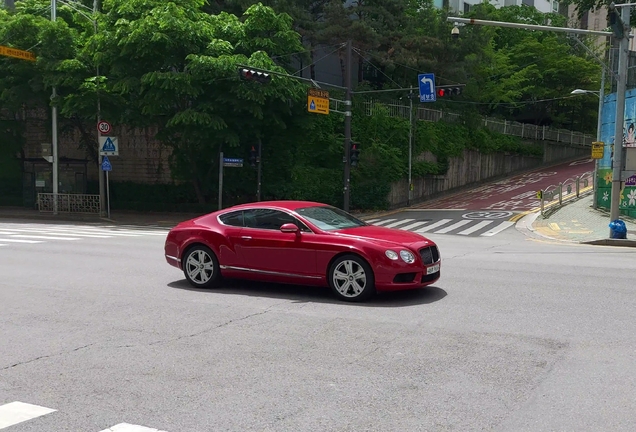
{"x":385,"y":236}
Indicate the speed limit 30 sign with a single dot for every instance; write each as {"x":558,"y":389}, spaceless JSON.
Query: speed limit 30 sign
{"x":103,"y":127}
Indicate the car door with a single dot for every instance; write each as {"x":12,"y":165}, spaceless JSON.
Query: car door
{"x":264,"y":247}
{"x":232,"y":225}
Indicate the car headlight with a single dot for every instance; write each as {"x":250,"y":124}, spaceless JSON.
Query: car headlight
{"x":391,"y":255}
{"x":407,"y":257}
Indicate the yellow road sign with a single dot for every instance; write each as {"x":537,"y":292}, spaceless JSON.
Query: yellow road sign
{"x":598,"y":148}
{"x":17,"y":53}
{"x":317,"y":105}
{"x":318,"y":101}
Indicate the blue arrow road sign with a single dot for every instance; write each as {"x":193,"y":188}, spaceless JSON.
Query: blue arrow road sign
{"x":427,"y":87}
{"x":106,"y":166}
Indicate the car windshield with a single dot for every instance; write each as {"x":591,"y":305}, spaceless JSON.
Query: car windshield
{"x":329,"y":218}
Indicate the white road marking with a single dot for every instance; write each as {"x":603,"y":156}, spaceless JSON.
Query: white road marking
{"x":400,"y":222}
{"x":41,"y":237}
{"x":475,"y":227}
{"x":382,"y":222}
{"x":435,"y":225}
{"x":20,"y":241}
{"x":18,"y":412}
{"x":413,"y":225}
{"x":370,"y":221}
{"x":127,"y":427}
{"x":499,"y":228}
{"x":452,"y":227}
{"x":56,"y":232}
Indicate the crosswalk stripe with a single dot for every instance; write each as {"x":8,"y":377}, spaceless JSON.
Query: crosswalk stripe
{"x":382,"y":222}
{"x":127,"y":427}
{"x":413,"y":225}
{"x":475,"y":227}
{"x":435,"y":225}
{"x":20,"y":241}
{"x":42,"y":237}
{"x":18,"y":412}
{"x":502,"y":226}
{"x":54,"y":232}
{"x":400,"y":222}
{"x":370,"y":221}
{"x":452,"y":227}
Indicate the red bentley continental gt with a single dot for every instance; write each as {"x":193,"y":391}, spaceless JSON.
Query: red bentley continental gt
{"x":304,"y":243}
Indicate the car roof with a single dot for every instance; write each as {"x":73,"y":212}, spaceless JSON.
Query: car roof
{"x":281,"y":204}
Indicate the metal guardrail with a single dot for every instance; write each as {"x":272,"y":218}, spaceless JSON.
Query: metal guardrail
{"x":523,"y":130}
{"x":68,"y":203}
{"x":572,"y":188}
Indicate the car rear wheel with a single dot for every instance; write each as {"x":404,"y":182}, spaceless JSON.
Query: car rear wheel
{"x":351,"y":278}
{"x":201,"y":268}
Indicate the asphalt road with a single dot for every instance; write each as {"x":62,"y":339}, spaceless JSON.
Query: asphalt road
{"x":518,"y":334}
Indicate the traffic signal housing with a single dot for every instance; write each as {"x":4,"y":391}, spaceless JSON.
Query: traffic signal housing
{"x":354,"y":154}
{"x":448,"y":91}
{"x":256,"y":76}
{"x":253,"y":157}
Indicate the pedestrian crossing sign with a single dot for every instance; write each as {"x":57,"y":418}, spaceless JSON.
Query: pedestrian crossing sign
{"x":108,"y":146}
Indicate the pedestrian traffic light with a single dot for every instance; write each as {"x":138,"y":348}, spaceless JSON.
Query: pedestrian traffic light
{"x":251,"y":75}
{"x":354,"y":155}
{"x":253,"y":157}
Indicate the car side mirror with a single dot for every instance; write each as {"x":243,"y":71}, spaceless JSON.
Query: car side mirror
{"x":289,"y":228}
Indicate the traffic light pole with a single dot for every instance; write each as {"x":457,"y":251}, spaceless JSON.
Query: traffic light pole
{"x":347,"y":129}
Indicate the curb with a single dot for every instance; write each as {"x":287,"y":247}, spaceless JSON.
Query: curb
{"x":612,"y":242}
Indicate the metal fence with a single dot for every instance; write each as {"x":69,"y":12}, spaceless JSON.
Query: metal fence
{"x":523,"y":130}
{"x":554,"y":195}
{"x":68,"y":203}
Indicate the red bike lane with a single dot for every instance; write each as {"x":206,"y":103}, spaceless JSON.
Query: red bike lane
{"x":517,"y":193}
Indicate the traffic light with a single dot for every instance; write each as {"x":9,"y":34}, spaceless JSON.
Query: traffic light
{"x":251,"y":75}
{"x":253,"y":157}
{"x":354,"y":155}
{"x":448,"y":91}
{"x":615,"y":22}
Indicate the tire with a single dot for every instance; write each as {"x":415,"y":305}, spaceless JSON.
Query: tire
{"x":351,"y":278}
{"x":201,"y":267}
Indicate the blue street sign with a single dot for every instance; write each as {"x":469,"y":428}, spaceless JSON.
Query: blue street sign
{"x":426,"y":83}
{"x":106,"y":166}
{"x":233,"y":162}
{"x":109,"y":146}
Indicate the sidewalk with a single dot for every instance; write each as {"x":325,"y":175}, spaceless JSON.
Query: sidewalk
{"x":577,"y":222}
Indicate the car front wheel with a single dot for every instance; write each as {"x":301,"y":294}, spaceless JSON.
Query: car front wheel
{"x":201,"y":267}
{"x":351,"y":278}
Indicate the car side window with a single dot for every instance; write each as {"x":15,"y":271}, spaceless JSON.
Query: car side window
{"x":271,"y":219}
{"x":232,"y":219}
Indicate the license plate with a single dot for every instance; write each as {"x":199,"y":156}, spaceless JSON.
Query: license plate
{"x":432,"y":269}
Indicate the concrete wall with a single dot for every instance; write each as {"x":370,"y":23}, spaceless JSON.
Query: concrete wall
{"x":473,"y":168}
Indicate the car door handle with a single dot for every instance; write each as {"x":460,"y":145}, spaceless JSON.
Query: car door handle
{"x":246,"y":237}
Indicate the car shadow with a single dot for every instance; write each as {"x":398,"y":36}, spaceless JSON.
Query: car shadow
{"x":308,"y":294}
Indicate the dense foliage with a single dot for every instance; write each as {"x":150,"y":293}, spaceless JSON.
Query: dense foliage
{"x":173,"y":64}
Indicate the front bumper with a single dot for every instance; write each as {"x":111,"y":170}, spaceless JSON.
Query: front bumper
{"x":400,"y":276}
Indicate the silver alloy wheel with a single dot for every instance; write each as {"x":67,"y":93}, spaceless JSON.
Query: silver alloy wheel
{"x":349,"y":278}
{"x":200,"y":267}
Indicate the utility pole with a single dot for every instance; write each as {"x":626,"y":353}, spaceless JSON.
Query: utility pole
{"x":621,"y":87}
{"x":100,"y":172}
{"x":410,"y":196}
{"x":599,"y":124}
{"x":259,"y":161}
{"x":347,"y":128}
{"x":54,"y":127}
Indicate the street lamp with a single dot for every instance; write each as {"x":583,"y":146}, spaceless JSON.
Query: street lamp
{"x":601,"y":95}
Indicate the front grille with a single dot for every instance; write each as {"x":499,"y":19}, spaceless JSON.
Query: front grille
{"x":429,"y":255}
{"x":404,"y":277}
